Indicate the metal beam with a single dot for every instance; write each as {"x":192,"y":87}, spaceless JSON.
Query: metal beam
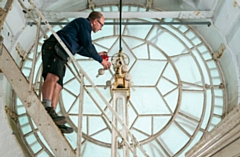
{"x":56,"y":141}
{"x":202,"y":16}
{"x":135,"y":23}
{"x":130,"y":15}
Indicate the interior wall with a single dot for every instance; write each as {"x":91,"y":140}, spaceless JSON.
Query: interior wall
{"x":226,"y":30}
{"x":228,"y":25}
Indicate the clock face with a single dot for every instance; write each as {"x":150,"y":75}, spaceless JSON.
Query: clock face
{"x":176,"y":94}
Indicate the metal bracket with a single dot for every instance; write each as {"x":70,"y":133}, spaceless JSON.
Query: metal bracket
{"x":11,"y":113}
{"x":220,"y":86}
{"x":149,"y":4}
{"x":91,"y":5}
{"x":219,"y":52}
{"x":236,"y":3}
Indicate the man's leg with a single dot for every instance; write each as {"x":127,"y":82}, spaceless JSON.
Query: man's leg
{"x":55,"y":99}
{"x":48,"y":87}
{"x":48,"y":91}
{"x":53,"y":73}
{"x":56,"y":94}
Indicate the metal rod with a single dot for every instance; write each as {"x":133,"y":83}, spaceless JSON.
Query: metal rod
{"x":135,"y":23}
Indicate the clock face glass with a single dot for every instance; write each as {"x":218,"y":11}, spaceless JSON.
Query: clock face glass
{"x":177,"y":92}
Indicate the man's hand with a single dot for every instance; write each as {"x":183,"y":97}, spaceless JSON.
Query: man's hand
{"x":106,"y":64}
{"x":102,"y":53}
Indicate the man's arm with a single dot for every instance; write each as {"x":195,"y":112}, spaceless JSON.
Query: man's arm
{"x":89,"y":49}
{"x":85,"y":40}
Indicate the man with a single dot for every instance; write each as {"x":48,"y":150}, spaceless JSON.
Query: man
{"x":77,"y":37}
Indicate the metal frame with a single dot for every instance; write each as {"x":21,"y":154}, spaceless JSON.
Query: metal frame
{"x":210,"y":87}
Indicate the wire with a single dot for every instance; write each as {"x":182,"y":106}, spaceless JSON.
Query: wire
{"x":120,"y":27}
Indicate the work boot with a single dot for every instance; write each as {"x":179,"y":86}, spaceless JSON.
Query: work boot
{"x":65,"y":129}
{"x":58,"y":120}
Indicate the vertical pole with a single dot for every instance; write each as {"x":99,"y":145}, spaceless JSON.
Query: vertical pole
{"x":120,"y":106}
{"x":114,"y":147}
{"x":35,"y":54}
{"x":125,"y":119}
{"x":80,"y":117}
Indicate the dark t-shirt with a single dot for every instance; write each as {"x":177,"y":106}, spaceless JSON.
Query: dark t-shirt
{"x":77,"y":37}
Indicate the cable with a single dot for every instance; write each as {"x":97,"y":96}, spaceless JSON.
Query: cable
{"x":120,"y":26}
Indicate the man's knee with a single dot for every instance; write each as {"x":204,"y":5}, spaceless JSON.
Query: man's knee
{"x":52,"y":77}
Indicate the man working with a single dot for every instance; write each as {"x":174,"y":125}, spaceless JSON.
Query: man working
{"x":77,"y":37}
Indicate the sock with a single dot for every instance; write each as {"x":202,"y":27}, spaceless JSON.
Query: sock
{"x":46,"y":103}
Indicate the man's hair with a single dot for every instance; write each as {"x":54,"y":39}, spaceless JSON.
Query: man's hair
{"x":95,"y":15}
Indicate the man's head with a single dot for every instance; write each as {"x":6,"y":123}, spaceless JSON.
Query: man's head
{"x":97,"y":21}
